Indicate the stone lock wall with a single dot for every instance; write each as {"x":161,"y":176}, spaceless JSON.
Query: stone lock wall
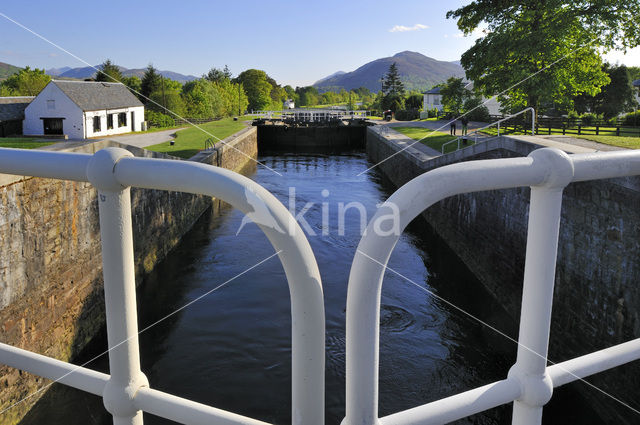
{"x":51,"y":298}
{"x":597,"y":296}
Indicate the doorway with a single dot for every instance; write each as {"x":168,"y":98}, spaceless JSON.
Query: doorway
{"x":52,"y":125}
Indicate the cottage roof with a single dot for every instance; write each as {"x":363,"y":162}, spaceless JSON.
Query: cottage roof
{"x":12,"y":108}
{"x":93,"y":96}
{"x":435,"y":90}
{"x":636,"y":83}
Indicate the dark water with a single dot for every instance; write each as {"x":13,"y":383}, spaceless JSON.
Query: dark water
{"x":232,"y":349}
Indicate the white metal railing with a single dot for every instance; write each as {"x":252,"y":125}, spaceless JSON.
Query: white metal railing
{"x":495,"y":123}
{"x":530,"y":381}
{"x":126,"y":392}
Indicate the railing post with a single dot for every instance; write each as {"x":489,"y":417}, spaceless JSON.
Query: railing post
{"x":537,"y":293}
{"x":114,"y":204}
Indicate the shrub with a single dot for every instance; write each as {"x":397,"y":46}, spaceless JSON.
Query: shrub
{"x":590,"y":118}
{"x":573,"y":115}
{"x":478,"y":112}
{"x":407,"y":114}
{"x":158,"y":119}
{"x":632,"y":118}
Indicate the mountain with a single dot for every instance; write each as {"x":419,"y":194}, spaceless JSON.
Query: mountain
{"x":54,"y":72}
{"x":7,"y":70}
{"x":88,"y":72}
{"x":335,"y":74}
{"x":417,"y":72}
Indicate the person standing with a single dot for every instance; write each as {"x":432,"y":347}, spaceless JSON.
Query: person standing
{"x":465,"y":123}
{"x":452,"y":130}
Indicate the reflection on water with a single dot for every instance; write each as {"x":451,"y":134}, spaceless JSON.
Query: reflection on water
{"x":232,"y":348}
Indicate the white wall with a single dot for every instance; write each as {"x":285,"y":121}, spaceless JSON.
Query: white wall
{"x":129,"y":127}
{"x":432,"y":101}
{"x":63,"y":108}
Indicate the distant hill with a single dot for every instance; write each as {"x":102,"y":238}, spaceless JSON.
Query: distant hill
{"x":335,"y":74}
{"x":417,"y":72}
{"x":88,"y":72}
{"x":7,"y":70}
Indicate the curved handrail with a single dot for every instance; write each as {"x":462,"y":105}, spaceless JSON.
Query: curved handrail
{"x":284,"y":233}
{"x":374,"y":250}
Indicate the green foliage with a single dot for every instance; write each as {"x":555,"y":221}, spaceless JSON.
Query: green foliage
{"x":407,"y":114}
{"x":110,"y":72}
{"x":307,"y":96}
{"x":555,"y":43}
{"x":573,"y":115}
{"x":590,"y":118}
{"x":391,"y":84}
{"x":257,"y":88}
{"x":27,"y":82}
{"x":414,"y":101}
{"x":206,"y":99}
{"x":632,"y":119}
{"x":158,"y":119}
{"x":133,"y":83}
{"x":454,"y":95}
{"x":151,"y":81}
{"x":216,"y":75}
{"x":614,"y":98}
{"x":475,"y":110}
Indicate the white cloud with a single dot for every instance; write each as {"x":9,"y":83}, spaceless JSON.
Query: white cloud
{"x":402,"y":28}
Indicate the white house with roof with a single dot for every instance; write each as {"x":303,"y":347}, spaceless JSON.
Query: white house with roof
{"x":636,"y":90}
{"x":433,"y":99}
{"x":83,"y":109}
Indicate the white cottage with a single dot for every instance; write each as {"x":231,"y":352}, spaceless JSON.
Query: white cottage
{"x":83,"y":109}
{"x":433,"y":99}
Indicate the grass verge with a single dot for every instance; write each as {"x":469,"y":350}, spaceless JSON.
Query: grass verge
{"x":190,"y":141}
{"x":433,"y":139}
{"x":22,"y":143}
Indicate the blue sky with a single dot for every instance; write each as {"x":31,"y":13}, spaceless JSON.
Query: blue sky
{"x":297,"y":43}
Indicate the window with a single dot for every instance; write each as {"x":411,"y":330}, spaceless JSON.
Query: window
{"x":96,"y":124}
{"x":51,"y":104}
{"x":436,"y":100}
{"x":110,"y":121}
{"x":122,"y":119}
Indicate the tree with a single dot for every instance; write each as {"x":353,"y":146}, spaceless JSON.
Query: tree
{"x":257,"y":88}
{"x":151,"y":81}
{"x":414,"y":101}
{"x":109,"y":72}
{"x":393,"y":90}
{"x":454,"y":94}
{"x":27,"y":82}
{"x":133,"y":83}
{"x":217,"y":75}
{"x":614,"y":98}
{"x":544,"y":51}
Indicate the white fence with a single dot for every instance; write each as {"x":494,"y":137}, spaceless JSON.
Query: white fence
{"x":126,"y":391}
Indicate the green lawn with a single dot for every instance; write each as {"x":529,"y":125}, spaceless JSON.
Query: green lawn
{"x":433,"y":139}
{"x":190,"y":141}
{"x":22,"y":143}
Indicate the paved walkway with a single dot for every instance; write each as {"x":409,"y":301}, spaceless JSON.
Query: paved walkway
{"x":582,"y":142}
{"x":145,"y":139}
